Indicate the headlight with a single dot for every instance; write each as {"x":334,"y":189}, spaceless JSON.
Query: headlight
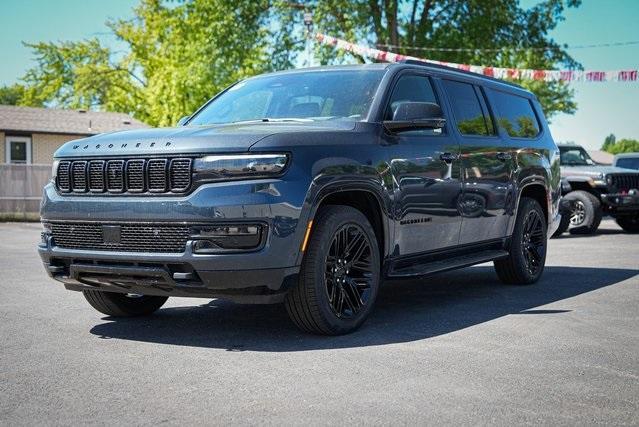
{"x":239,"y":166}
{"x":54,"y":169}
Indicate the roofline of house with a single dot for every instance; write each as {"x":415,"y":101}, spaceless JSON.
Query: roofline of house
{"x":30,"y":132}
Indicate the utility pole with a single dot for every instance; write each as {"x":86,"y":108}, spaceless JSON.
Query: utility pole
{"x":308,"y":23}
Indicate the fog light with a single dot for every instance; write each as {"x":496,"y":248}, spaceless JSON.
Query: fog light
{"x":212,"y":239}
{"x":44,"y":235}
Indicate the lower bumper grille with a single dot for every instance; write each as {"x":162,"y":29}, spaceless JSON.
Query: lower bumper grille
{"x":121,"y":237}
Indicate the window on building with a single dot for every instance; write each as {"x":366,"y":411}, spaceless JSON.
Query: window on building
{"x":18,"y":149}
{"x":467,"y":109}
{"x":515,"y":115}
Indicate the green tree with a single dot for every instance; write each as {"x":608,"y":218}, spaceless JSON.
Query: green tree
{"x":513,"y":35}
{"x":608,"y":142}
{"x":179,"y":54}
{"x":13,"y":95}
{"x":623,"y":146}
{"x":176,"y":57}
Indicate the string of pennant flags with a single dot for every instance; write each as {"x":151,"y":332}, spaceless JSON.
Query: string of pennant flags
{"x":497,"y":72}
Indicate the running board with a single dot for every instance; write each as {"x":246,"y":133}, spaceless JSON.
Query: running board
{"x":417,"y":270}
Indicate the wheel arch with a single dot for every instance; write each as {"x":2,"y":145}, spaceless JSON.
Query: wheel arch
{"x":363,"y":197}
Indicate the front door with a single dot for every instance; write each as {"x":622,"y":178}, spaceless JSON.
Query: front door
{"x":486,"y":200}
{"x":427,"y":177}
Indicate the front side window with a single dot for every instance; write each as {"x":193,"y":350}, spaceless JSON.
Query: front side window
{"x":467,"y":110}
{"x":300,"y":96}
{"x":412,"y":88}
{"x":515,"y":115}
{"x":574,"y":156}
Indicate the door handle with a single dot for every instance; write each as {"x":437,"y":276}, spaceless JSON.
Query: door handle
{"x":448,"y":157}
{"x":504,"y":156}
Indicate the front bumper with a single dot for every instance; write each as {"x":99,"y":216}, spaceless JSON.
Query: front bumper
{"x":622,"y":202}
{"x":261,"y":276}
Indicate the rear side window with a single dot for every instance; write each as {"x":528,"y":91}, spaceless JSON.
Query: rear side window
{"x":467,"y":109}
{"x":515,"y":115}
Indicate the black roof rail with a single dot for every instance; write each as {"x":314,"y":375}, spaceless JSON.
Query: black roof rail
{"x":446,"y":68}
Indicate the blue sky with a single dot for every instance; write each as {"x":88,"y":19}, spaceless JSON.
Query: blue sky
{"x":602,"y":107}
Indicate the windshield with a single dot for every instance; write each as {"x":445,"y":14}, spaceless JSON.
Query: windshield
{"x":574,"y":156}
{"x":628,"y":162}
{"x":303,"y":96}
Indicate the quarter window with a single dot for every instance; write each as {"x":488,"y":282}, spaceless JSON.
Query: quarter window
{"x":515,"y":115}
{"x":467,"y":109}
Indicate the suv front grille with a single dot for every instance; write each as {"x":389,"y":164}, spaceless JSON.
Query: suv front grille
{"x":164,"y":238}
{"x":132,"y":176}
{"x":623,"y":181}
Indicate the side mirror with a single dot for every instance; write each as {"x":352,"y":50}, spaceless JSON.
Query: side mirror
{"x":416,"y":115}
{"x":183,"y":120}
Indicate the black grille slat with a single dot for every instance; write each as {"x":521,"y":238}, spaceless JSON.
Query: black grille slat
{"x":133,"y":237}
{"x":115,"y":176}
{"x":135,"y":176}
{"x":125,"y":175}
{"x":157,"y":175}
{"x":180,"y":175}
{"x":63,"y":176}
{"x":79,"y":176}
{"x":96,"y":176}
{"x":624,"y":182}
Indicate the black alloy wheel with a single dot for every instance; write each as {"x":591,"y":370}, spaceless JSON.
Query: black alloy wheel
{"x":533,"y":244}
{"x":348,"y":272}
{"x":525,"y":263}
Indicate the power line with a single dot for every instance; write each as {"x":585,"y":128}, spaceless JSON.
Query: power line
{"x":461,"y":49}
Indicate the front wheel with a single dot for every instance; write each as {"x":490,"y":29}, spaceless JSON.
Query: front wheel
{"x":586,"y":214}
{"x":629,"y":223}
{"x":123,"y":305}
{"x":340,"y":274}
{"x":525,"y":263}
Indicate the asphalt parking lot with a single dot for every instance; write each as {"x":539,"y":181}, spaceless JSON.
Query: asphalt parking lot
{"x":455,"y":348}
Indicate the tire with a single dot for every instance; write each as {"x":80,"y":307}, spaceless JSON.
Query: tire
{"x":587,"y":214}
{"x":629,"y":223}
{"x":123,"y":305}
{"x":323,"y":301}
{"x":563,"y":226}
{"x":528,"y":240}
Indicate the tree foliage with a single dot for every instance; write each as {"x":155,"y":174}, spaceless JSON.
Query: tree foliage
{"x":622,"y":146}
{"x":12,"y":95}
{"x":507,"y":34}
{"x":179,"y":54}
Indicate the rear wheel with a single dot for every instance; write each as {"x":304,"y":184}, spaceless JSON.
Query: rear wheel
{"x":123,"y":305}
{"x":340,"y":274}
{"x":586,"y":213}
{"x":527,"y":258}
{"x":629,"y":223}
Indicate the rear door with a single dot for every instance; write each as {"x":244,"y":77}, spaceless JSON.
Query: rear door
{"x":426,"y":172}
{"x":487,"y":165}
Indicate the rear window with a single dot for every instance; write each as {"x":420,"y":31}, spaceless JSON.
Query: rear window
{"x":467,"y":109}
{"x":515,"y":115}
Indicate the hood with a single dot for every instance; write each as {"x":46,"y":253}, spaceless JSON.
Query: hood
{"x":228,"y":138}
{"x":593,"y":171}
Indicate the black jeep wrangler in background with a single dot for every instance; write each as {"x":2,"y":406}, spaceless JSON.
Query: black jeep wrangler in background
{"x":595,"y":190}
{"x":308,"y":187}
